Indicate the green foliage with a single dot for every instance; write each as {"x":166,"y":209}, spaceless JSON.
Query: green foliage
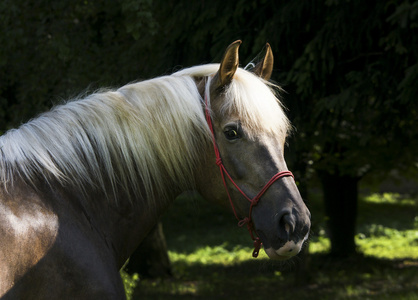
{"x":53,"y":50}
{"x":138,"y":17}
{"x":354,"y":82}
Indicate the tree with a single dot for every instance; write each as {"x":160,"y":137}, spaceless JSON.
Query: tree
{"x":52,"y":49}
{"x":359,"y":106}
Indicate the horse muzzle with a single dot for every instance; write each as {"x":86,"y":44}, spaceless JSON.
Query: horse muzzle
{"x":286,"y":239}
{"x":288,"y":250}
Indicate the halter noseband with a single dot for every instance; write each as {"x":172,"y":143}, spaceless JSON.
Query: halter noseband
{"x":247,"y":220}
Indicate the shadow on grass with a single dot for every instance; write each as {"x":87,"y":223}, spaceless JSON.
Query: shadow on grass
{"x":358,"y":277}
{"x":401,"y":216}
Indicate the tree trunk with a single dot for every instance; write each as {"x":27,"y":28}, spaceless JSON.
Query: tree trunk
{"x":340,"y":197}
{"x":150,"y":259}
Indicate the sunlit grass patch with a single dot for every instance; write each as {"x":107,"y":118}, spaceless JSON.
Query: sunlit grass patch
{"x":215,"y":255}
{"x":320,"y":244}
{"x":390,"y":198}
{"x":388,"y":226}
{"x":383,"y":242}
{"x":130,"y":283}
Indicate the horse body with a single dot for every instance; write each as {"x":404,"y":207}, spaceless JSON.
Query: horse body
{"x":53,"y":247}
{"x":82,"y":185}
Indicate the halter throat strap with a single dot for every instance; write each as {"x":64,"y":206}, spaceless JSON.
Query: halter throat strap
{"x":225,"y":175}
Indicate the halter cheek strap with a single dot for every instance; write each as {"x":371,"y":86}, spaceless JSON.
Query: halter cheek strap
{"x":247,"y":220}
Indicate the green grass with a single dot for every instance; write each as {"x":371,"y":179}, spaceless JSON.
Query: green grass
{"x":387,"y":228}
{"x":211,"y":257}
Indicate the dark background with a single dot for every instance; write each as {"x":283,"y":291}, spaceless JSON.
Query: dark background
{"x":349,"y":69}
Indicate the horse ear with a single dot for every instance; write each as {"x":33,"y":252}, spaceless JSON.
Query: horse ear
{"x":229,"y":65}
{"x":265,"y":67}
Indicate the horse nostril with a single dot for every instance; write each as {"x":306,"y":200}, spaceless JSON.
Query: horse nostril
{"x":288,"y":223}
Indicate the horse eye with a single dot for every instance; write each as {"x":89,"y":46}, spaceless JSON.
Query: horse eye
{"x":231,"y":134}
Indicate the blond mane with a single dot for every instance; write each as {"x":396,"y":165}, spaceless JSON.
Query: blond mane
{"x":253,"y":99}
{"x":144,"y":138}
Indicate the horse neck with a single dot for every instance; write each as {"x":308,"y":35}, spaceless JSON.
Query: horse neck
{"x":209,"y":181}
{"x":116,"y":224}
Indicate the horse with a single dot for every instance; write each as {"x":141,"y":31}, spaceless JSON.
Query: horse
{"x":82,"y":184}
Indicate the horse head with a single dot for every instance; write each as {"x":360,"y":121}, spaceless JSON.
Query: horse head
{"x":249,"y":130}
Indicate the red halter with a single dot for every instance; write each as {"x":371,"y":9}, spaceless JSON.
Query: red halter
{"x":253,"y":201}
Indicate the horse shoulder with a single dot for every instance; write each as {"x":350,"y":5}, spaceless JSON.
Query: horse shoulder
{"x":27,"y":231}
{"x":46,"y":253}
